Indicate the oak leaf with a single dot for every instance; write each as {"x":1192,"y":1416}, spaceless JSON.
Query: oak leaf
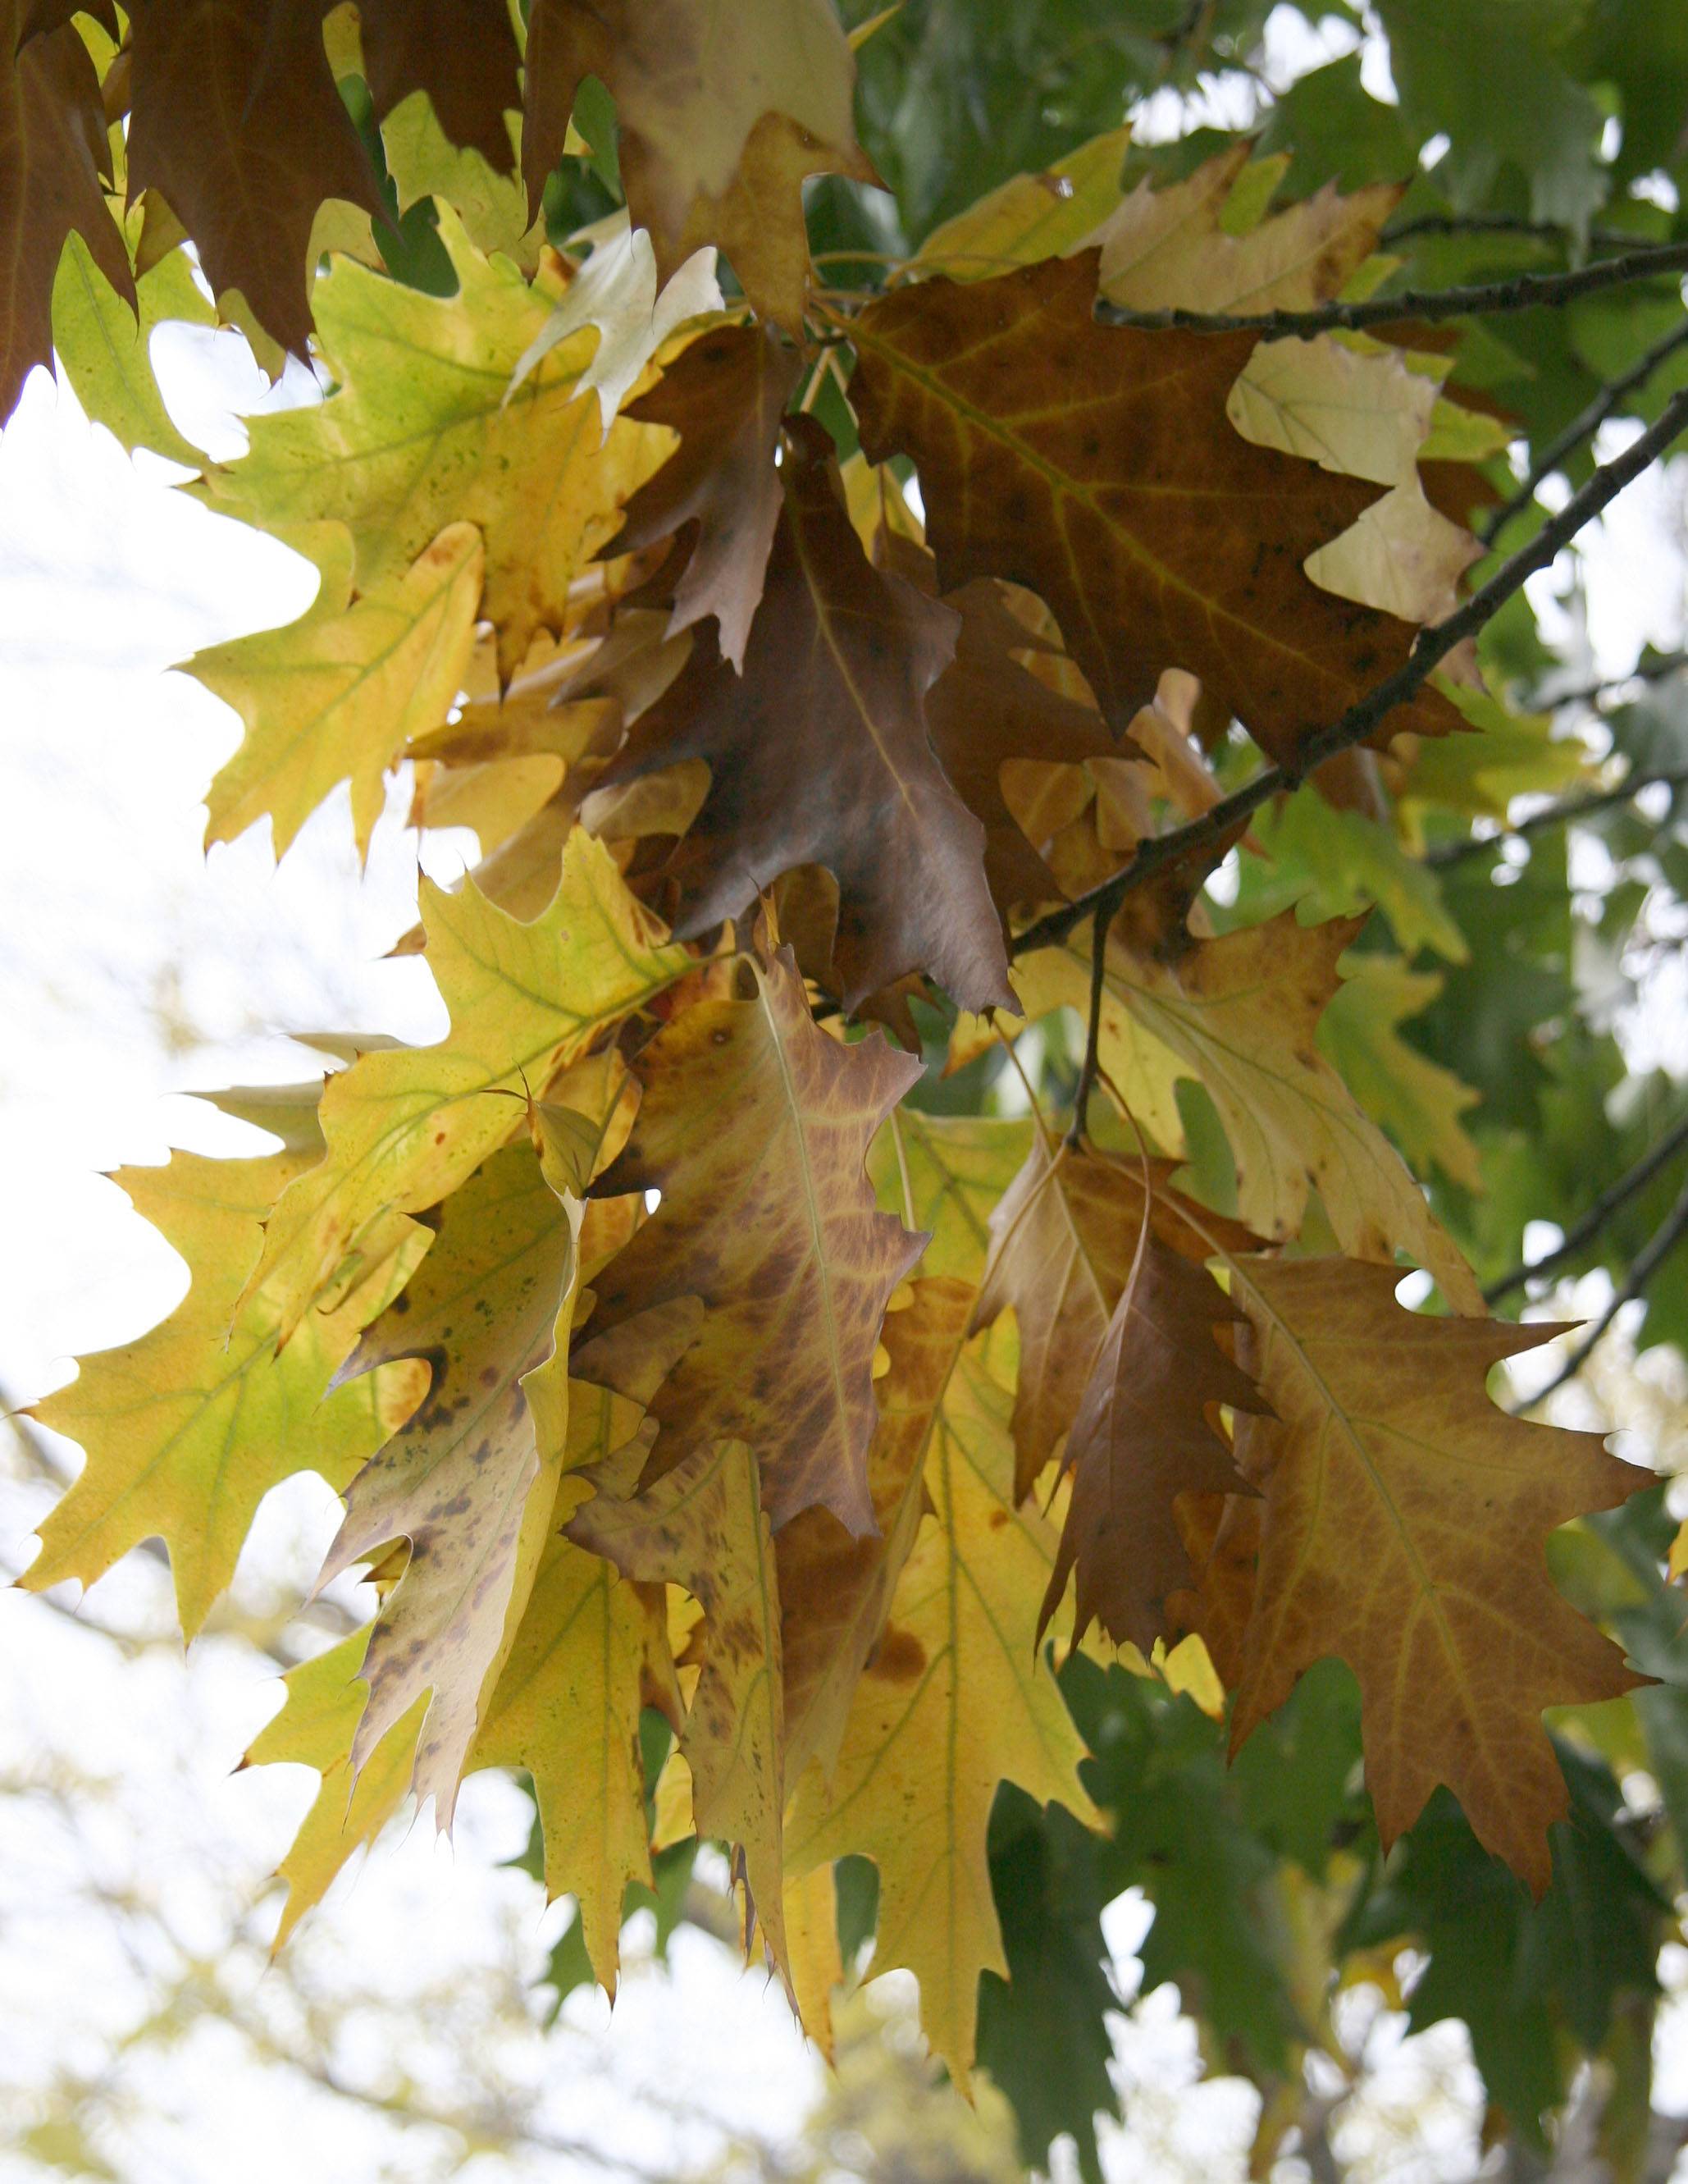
{"x":1167,"y":248}
{"x":723,"y":395}
{"x":589,"y":1650}
{"x":236,"y":118}
{"x":1031,"y":216}
{"x":483,"y":1313}
{"x":1145,"y":1433}
{"x":1421,"y":1102}
{"x":702,"y":1525}
{"x":754,"y":1126}
{"x":187,"y":1429}
{"x":404,"y":1127}
{"x":463,"y":53}
{"x":835,"y":1590}
{"x":336,"y":695}
{"x":53,"y":155}
{"x":954,"y":1702}
{"x":1241,"y":1012}
{"x":101,"y":339}
{"x":1087,"y":463}
{"x":944,"y":1173}
{"x":820,"y":753}
{"x":418,"y":436}
{"x":722,"y":113}
{"x":1405,"y":1524}
{"x":1065,"y":1239}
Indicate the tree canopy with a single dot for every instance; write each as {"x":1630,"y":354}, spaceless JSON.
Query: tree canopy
{"x":1050,"y":913}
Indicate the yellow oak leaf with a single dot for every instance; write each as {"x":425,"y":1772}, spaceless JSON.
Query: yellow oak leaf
{"x":418,"y":435}
{"x":336,"y":695}
{"x":325,"y":1699}
{"x":944,"y":1173}
{"x":103,"y":343}
{"x":701,"y":1526}
{"x":187,"y":1429}
{"x":754,"y":1126}
{"x":812,"y":1939}
{"x":1405,"y":1524}
{"x":955,"y":1701}
{"x":1167,"y":248}
{"x":1361,"y":411}
{"x":1031,"y":216}
{"x":403,"y":1128}
{"x":1242,"y":1013}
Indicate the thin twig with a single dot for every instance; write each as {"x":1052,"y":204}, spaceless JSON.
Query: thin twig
{"x":1501,"y":223}
{"x":1086,"y":1083}
{"x":1523,"y":292}
{"x":1644,"y":671}
{"x":1582,"y":1232}
{"x":1565,"y":813}
{"x":1664,"y":1239}
{"x":1583,"y":426}
{"x":1359,"y":721}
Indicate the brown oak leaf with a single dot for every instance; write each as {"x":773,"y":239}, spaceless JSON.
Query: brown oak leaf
{"x":462,"y":53}
{"x":236,"y":118}
{"x":1093,"y":464}
{"x":755,"y":1126}
{"x":820,"y":753}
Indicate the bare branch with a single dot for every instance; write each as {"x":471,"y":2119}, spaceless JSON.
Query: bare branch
{"x":1565,"y":813}
{"x":1663,"y":1242}
{"x":1583,"y":1232}
{"x":1359,"y":721}
{"x":1501,"y":223}
{"x":1583,"y":426}
{"x":1644,"y":671}
{"x":1523,"y":292}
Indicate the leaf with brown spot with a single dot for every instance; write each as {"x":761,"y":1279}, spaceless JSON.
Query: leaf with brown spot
{"x":820,"y":755}
{"x":236,"y":118}
{"x":455,"y":1483}
{"x":1404,"y":1528}
{"x":754,"y":1126}
{"x":53,"y":155}
{"x":723,"y":111}
{"x":701,"y":1526}
{"x":589,"y":1650}
{"x":1065,"y":1239}
{"x":1145,"y":1432}
{"x":835,"y":1590}
{"x":723,"y":395}
{"x":955,"y":1701}
{"x":1094,"y":465}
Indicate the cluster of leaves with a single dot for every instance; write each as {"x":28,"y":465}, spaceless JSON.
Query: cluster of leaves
{"x":727,"y":1388}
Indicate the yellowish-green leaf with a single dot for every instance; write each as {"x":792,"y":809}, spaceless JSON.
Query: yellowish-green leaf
{"x":1354,"y":861}
{"x":955,"y":1701}
{"x":1359,"y":411}
{"x":418,"y":435}
{"x":336,"y":695}
{"x":315,"y":1727}
{"x":1419,"y":1100}
{"x":187,"y":1429}
{"x":405,"y":1127}
{"x":1031,"y":216}
{"x":104,"y":348}
{"x":424,"y":162}
{"x":944,"y":1173}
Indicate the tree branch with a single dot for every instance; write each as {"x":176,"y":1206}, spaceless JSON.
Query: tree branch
{"x":1583,"y":1232}
{"x":1359,"y":721}
{"x":1644,"y":671}
{"x":1523,"y":292}
{"x":1086,"y":1083}
{"x":1583,"y":426}
{"x":1567,"y":812}
{"x":1501,"y":223}
{"x":1664,"y":1239}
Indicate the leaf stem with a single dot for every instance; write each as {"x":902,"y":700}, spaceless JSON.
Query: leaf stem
{"x":1522,"y":292}
{"x":1362,"y":719}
